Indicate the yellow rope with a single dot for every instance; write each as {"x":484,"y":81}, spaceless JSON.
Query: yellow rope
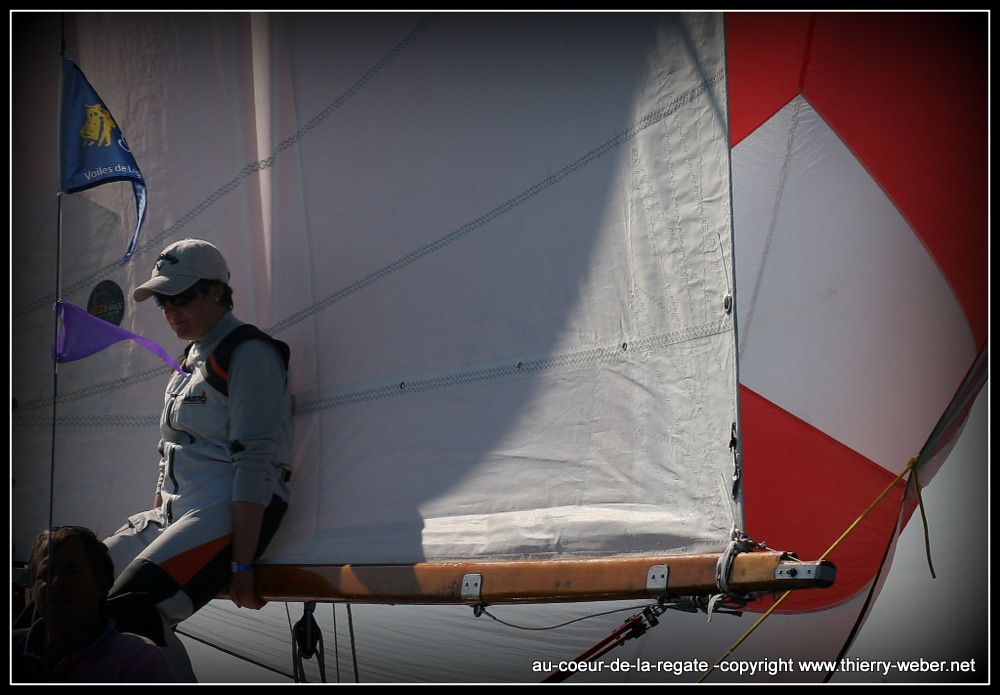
{"x":911,"y":466}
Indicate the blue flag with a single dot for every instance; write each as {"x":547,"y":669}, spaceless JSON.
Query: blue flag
{"x":92,"y":146}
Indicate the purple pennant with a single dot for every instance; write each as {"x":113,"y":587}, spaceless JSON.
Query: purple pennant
{"x":84,"y":334}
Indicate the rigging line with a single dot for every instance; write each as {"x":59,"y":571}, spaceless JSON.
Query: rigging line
{"x":245,"y":172}
{"x":971,"y":384}
{"x":850,"y":529}
{"x":869,"y":599}
{"x":307,"y":642}
{"x":878,"y":500}
{"x":634,"y":627}
{"x":722,"y":259}
{"x":961,"y":403}
{"x":232,"y":653}
{"x":336,"y":641}
{"x":569,"y":622}
{"x":291,"y":641}
{"x":772,"y":223}
{"x":866,"y":606}
{"x":55,"y":362}
{"x":485,"y":219}
{"x":354,"y":646}
{"x":923,"y":519}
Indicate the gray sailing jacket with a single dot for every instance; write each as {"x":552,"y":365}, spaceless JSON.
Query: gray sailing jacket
{"x":218,"y":447}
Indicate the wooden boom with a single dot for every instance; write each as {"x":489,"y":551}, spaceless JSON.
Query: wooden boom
{"x":538,"y":582}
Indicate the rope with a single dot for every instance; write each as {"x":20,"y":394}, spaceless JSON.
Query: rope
{"x":872,"y":589}
{"x":230,"y":652}
{"x":923,"y":519}
{"x":739,"y":543}
{"x":634,"y":627}
{"x":354,"y":646}
{"x":336,"y":640}
{"x":307,"y":642}
{"x":483,"y":610}
{"x":911,"y":466}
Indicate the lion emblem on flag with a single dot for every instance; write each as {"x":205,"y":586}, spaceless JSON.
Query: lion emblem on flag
{"x":97,"y":129}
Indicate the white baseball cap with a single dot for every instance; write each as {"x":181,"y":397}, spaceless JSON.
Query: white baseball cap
{"x":182,"y":264}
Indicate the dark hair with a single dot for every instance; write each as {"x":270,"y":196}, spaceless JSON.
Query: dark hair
{"x":97,"y":552}
{"x":227,"y":292}
{"x":227,"y":296}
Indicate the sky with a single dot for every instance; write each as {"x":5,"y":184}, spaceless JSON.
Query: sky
{"x":915,"y":618}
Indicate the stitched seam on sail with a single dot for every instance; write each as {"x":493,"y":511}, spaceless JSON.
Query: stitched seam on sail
{"x":547,"y":364}
{"x":626,"y":135}
{"x":94,"y":390}
{"x":570,"y":360}
{"x":90,"y":421}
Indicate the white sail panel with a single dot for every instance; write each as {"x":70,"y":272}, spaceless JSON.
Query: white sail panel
{"x":499,"y":248}
{"x":823,"y":249}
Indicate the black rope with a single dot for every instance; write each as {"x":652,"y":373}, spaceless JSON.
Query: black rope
{"x":232,"y":653}
{"x":336,"y":641}
{"x":354,"y":646}
{"x":482,"y":609}
{"x":307,"y":642}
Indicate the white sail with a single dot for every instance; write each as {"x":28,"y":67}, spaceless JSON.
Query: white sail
{"x":499,"y":247}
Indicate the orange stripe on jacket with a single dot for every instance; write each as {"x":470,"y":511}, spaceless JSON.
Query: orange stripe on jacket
{"x":217,"y":368}
{"x":183,"y":567}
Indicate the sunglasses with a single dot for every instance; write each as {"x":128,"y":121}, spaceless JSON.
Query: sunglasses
{"x":185,"y":297}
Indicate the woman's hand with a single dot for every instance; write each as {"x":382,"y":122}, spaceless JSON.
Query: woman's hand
{"x":243,"y":590}
{"x":247,"y":518}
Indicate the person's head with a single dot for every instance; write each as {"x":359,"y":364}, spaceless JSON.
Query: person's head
{"x":190,"y":282}
{"x":71,"y":574}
